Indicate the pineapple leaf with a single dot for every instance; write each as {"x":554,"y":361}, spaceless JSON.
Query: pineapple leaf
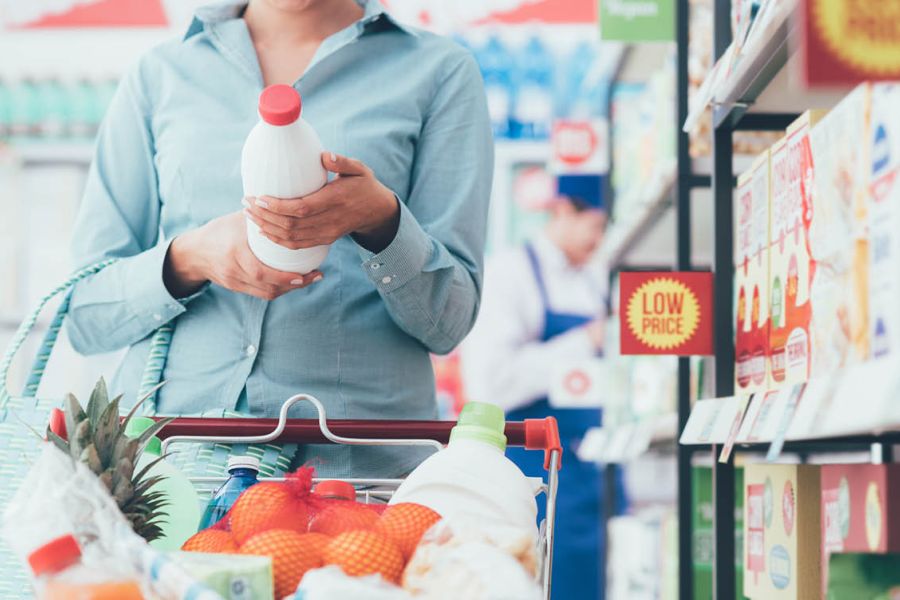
{"x":91,"y":458}
{"x":57,"y":441}
{"x":107,"y":432}
{"x":152,"y":431}
{"x":80,"y":439}
{"x":106,"y":480}
{"x":146,"y":470}
{"x":74,"y":415}
{"x":140,"y":403}
{"x":98,"y":402}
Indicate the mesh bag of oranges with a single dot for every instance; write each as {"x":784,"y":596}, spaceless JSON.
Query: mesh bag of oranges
{"x":301,"y":527}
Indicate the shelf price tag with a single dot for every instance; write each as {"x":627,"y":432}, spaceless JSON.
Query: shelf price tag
{"x":847,"y":42}
{"x":666,"y":313}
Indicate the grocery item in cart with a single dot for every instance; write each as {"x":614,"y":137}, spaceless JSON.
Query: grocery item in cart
{"x":472,"y":475}
{"x":242,"y":474}
{"x":182,"y":509}
{"x":339,"y":510}
{"x":60,"y":575}
{"x":452,"y":563}
{"x":282,"y":157}
{"x":272,"y":505}
{"x":232,"y":577}
{"x":292,"y":554}
{"x":405,"y":524}
{"x":331,"y":583}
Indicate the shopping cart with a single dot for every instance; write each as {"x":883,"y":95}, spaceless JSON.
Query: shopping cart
{"x":533,"y":434}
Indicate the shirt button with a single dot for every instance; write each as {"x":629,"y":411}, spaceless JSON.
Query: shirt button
{"x":386,"y":280}
{"x":250,"y":350}
{"x":157,"y":317}
{"x":376,"y":266}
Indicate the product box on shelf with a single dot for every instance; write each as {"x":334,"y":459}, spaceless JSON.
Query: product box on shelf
{"x":793,"y":173}
{"x":752,"y":277}
{"x":838,"y":237}
{"x":859,"y":510}
{"x":856,"y":575}
{"x":782,"y":532}
{"x":884,"y":221}
{"x":702,"y":499}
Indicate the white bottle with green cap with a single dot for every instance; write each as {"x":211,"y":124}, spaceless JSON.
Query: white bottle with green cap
{"x":183,"y":509}
{"x":472,"y":475}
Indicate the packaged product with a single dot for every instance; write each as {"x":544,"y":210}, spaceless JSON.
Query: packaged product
{"x":859,"y":510}
{"x":855,"y":575}
{"x":838,"y":237}
{"x":752,"y":277}
{"x":884,"y":221}
{"x":234,"y":577}
{"x":782,"y":535}
{"x":702,"y":499}
{"x":791,"y":270}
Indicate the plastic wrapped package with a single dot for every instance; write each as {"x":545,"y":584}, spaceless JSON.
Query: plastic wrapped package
{"x":476,"y":559}
{"x":60,"y":497}
{"x":331,"y":583}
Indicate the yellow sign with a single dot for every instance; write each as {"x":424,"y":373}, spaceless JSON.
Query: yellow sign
{"x":851,"y":40}
{"x":663,"y":313}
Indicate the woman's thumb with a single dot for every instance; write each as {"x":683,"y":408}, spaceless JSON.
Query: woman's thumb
{"x":342,"y":165}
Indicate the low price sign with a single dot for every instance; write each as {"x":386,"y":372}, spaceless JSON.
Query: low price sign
{"x":849,"y":41}
{"x":666,"y":313}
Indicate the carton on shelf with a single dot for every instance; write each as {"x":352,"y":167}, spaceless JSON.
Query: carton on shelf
{"x":793,"y":175}
{"x":702,"y":499}
{"x":859,"y":510}
{"x":782,"y":532}
{"x":884,"y":221}
{"x":752,"y":277}
{"x":854,"y":576}
{"x":838,"y":240}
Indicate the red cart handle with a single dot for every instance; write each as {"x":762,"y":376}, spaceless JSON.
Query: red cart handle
{"x":532,"y":434}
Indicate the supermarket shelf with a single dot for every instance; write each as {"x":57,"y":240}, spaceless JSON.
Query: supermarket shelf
{"x":623,"y":236}
{"x":826,"y":411}
{"x":46,"y":153}
{"x":628,"y":441}
{"x":764,"y":56}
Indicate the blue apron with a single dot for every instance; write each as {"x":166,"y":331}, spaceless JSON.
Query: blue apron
{"x":579,"y":550}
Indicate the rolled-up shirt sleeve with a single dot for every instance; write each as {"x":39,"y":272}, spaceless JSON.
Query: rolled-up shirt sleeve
{"x":120,"y":218}
{"x":430,"y":275}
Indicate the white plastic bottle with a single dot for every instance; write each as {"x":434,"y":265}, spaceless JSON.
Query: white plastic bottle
{"x":282,"y":158}
{"x":472,"y":476}
{"x":183,"y":510}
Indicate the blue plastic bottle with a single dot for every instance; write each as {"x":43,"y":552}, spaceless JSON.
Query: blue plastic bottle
{"x":243,"y":472}
{"x":497,"y":68}
{"x":533,"y":110}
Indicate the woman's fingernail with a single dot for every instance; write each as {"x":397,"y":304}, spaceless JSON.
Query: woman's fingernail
{"x":317,"y":278}
{"x":333,"y":157}
{"x":245,"y":203}
{"x":296,"y":282}
{"x":262,"y":203}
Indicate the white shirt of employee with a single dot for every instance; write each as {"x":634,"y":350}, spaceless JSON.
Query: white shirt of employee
{"x":504,"y":360}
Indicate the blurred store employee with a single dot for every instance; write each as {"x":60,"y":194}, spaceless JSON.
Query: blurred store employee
{"x":405,"y":113}
{"x":545,"y":305}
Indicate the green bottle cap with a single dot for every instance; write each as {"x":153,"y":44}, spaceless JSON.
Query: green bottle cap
{"x":138,"y":425}
{"x":483,"y":422}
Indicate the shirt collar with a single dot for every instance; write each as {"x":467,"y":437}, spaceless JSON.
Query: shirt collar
{"x":232,"y":9}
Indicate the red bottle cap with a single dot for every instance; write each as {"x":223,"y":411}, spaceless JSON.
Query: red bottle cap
{"x":336,"y":489}
{"x":279,"y":105}
{"x":55,"y":555}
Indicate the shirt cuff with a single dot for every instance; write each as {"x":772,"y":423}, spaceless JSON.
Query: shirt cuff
{"x":403,"y":259}
{"x":147,"y":296}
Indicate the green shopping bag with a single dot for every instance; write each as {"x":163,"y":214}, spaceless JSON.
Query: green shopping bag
{"x":24,"y":414}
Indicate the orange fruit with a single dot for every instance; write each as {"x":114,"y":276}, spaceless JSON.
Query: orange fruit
{"x":363,"y":552}
{"x":342,"y":516}
{"x":211,"y":540}
{"x":267,"y":506}
{"x":292,"y":554}
{"x":318,"y":541}
{"x":405,"y":524}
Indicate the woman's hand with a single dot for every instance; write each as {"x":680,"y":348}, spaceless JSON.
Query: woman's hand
{"x":218,"y":252}
{"x":354,"y":203}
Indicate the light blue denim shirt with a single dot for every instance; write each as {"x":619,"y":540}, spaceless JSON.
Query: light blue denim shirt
{"x":407,"y":103}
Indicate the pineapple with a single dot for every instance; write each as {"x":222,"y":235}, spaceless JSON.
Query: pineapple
{"x":96,"y":437}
